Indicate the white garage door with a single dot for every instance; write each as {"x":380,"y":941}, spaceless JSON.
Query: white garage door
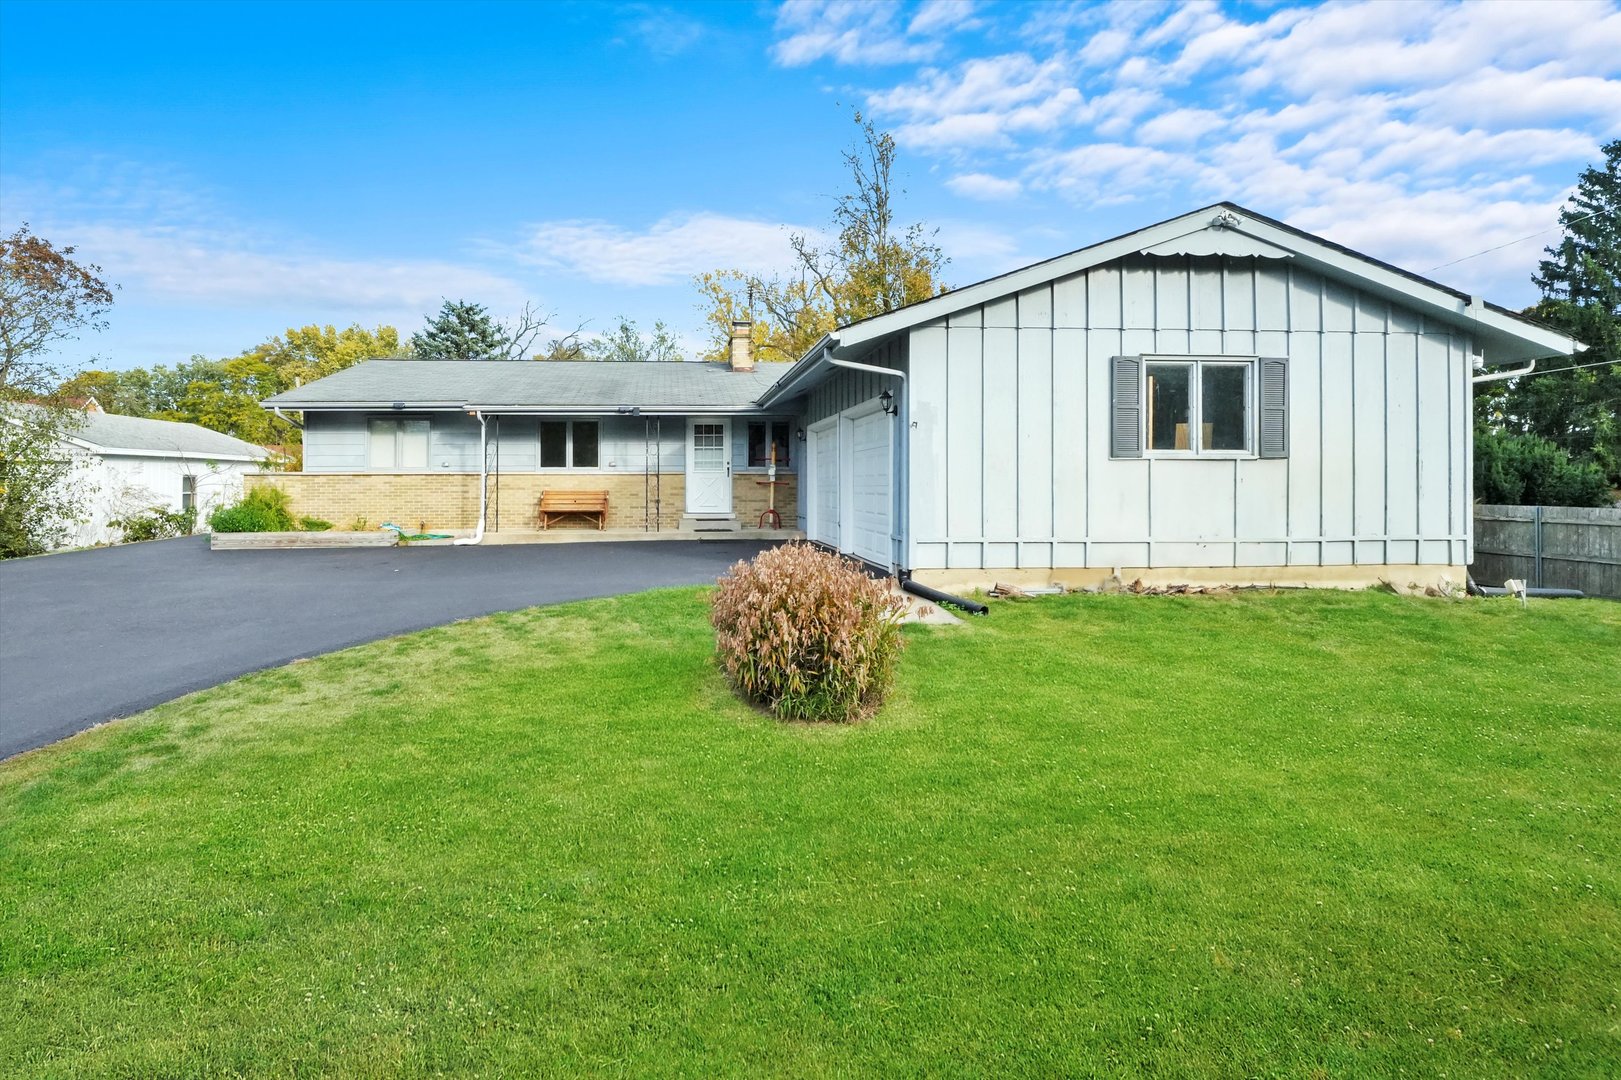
{"x":825,"y":511}
{"x":870,"y":488}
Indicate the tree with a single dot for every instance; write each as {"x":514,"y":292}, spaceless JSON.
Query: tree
{"x":462,"y":330}
{"x":871,"y":268}
{"x":628,"y":343}
{"x":1579,"y":410}
{"x":46,"y":298}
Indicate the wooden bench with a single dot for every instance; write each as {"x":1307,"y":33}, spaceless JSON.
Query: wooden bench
{"x":557,"y":504}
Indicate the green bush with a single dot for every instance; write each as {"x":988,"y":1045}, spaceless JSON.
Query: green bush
{"x":807,"y":635}
{"x":263,"y":509}
{"x":314,"y":524}
{"x":1525,"y":470}
{"x":155,"y":524}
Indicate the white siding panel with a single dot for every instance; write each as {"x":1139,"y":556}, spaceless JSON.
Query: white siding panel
{"x":1103,"y":298}
{"x":1401,"y":436}
{"x":1171,"y":295}
{"x":1368,"y":435}
{"x":927,"y":385}
{"x":1338,"y":453}
{"x":1035,"y":434}
{"x":1069,"y":302}
{"x":1204,"y":293}
{"x":1238,"y":295}
{"x":1036,"y":308}
{"x":1078,"y":369}
{"x":1003,"y":312}
{"x":1305,"y":460}
{"x":1002,"y":463}
{"x":965,"y":428}
{"x":1137,"y":294}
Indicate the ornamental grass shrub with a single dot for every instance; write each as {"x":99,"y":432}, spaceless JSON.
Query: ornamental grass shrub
{"x":807,"y":635}
{"x":263,"y":509}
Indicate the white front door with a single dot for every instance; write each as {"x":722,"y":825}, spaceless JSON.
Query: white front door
{"x":709,"y":466}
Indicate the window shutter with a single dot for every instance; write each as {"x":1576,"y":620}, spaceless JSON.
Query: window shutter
{"x":1126,"y":408}
{"x":1274,"y":407}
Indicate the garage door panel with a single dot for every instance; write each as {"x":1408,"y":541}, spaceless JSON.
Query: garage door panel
{"x":870,"y":487}
{"x":826,"y":494}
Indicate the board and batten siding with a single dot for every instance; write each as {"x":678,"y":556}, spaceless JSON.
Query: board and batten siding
{"x":1010,"y":458}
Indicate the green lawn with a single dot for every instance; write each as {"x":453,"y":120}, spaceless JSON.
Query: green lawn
{"x":1309,"y":834}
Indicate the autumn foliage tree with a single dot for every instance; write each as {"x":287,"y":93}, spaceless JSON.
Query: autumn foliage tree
{"x":47,"y":298}
{"x":869,"y":267}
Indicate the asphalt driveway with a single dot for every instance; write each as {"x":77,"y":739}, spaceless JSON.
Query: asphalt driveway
{"x":87,"y":636}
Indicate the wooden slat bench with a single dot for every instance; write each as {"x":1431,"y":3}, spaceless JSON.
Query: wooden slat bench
{"x":557,"y":504}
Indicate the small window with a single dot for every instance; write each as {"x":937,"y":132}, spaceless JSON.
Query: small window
{"x":1197,"y":406}
{"x":188,"y":493}
{"x":763,"y":437}
{"x":569,"y":444}
{"x":397,"y":443}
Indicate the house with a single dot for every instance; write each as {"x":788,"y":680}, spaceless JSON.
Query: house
{"x":1218,"y":397}
{"x":127,"y":464}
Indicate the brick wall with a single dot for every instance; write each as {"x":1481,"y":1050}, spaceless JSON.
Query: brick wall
{"x":749,"y":498}
{"x":450,"y":500}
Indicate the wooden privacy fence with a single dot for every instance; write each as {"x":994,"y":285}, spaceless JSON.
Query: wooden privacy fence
{"x":1550,"y":547}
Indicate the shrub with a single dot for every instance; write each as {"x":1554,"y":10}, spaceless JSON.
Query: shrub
{"x":155,"y":524}
{"x":263,"y":509}
{"x":807,"y":635}
{"x":314,"y":524}
{"x":1526,"y":470}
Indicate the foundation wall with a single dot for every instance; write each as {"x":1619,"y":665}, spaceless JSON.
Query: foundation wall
{"x":1402,"y":576}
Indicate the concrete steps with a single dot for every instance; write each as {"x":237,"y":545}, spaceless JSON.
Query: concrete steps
{"x":710,"y":523}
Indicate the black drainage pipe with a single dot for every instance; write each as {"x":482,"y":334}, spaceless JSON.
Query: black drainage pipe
{"x":1535,"y":594}
{"x":939,"y":597}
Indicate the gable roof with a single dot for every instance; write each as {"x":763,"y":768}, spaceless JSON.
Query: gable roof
{"x":1224,"y":228}
{"x":109,"y":433}
{"x":536,"y":386}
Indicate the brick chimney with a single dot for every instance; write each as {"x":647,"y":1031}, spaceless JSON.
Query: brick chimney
{"x":742,"y":345}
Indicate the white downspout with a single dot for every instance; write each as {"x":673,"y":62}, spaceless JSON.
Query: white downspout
{"x":1499,"y":375}
{"x":483,"y":482}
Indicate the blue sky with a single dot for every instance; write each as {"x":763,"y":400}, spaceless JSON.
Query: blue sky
{"x":240,"y":168}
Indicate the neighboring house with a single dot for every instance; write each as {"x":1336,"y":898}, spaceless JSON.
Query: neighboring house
{"x":1218,"y":397}
{"x":129,"y":464}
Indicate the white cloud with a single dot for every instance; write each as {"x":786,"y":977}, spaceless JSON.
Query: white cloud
{"x":1422,"y":131}
{"x":935,"y":16}
{"x":668,"y":252}
{"x":848,"y":32}
{"x":984,"y":186}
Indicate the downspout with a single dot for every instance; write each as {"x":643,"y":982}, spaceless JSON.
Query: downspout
{"x":906,"y":448}
{"x":276,"y":409}
{"x":483,"y":482}
{"x":1497,"y":376}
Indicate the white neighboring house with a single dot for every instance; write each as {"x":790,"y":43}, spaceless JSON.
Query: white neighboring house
{"x":130,"y":464}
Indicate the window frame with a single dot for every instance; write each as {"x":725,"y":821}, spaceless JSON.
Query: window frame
{"x":771,"y":426}
{"x":568,"y":445}
{"x":188,"y":492}
{"x":398,"y":422}
{"x":1250,"y":366}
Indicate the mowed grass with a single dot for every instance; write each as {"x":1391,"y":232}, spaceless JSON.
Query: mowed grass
{"x":1311,"y":834}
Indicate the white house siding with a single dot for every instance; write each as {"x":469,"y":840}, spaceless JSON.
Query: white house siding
{"x":335,"y":442}
{"x":119,"y":485}
{"x":1010,"y":465}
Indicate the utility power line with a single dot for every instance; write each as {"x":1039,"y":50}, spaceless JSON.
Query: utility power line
{"x":1511,"y":243}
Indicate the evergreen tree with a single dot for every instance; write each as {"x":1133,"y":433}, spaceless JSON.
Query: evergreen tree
{"x":462,"y":330}
{"x":1578,"y":410}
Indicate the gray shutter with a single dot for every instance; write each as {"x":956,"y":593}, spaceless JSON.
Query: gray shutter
{"x":1274,"y":407}
{"x":1126,"y":408}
